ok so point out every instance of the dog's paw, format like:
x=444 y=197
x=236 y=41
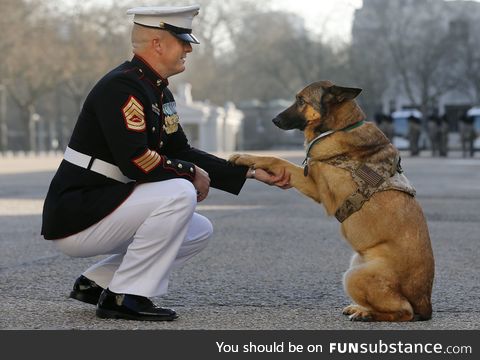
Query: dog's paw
x=365 y=317
x=357 y=313
x=232 y=159
x=350 y=309
x=242 y=159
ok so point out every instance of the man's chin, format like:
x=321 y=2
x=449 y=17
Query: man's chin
x=179 y=70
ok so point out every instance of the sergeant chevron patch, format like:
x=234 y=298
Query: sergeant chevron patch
x=134 y=115
x=148 y=161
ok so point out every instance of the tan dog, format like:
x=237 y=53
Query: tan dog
x=353 y=170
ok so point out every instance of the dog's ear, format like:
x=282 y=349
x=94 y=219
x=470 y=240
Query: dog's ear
x=341 y=93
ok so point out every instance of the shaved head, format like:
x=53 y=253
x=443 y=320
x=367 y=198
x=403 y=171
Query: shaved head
x=142 y=37
x=160 y=49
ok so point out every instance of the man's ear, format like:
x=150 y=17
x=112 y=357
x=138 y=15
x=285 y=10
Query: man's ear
x=157 y=45
x=341 y=93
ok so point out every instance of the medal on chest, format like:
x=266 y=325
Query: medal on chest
x=171 y=119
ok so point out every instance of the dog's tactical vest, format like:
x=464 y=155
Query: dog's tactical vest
x=370 y=179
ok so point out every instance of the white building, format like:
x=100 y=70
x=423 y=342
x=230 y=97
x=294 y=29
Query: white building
x=208 y=127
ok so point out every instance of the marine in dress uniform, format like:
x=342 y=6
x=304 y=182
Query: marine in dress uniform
x=434 y=132
x=125 y=186
x=414 y=129
x=385 y=123
x=467 y=135
x=438 y=132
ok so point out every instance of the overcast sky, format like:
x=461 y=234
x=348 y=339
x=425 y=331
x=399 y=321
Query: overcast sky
x=330 y=18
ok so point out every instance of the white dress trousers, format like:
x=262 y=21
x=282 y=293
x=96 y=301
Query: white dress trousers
x=153 y=231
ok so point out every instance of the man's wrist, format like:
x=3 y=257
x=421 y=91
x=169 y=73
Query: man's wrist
x=251 y=173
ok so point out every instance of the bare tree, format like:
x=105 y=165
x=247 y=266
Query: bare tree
x=210 y=65
x=369 y=62
x=94 y=40
x=420 y=53
x=31 y=69
x=90 y=40
x=11 y=29
x=270 y=56
x=464 y=45
x=407 y=42
x=472 y=67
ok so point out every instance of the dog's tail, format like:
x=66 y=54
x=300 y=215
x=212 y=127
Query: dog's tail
x=422 y=309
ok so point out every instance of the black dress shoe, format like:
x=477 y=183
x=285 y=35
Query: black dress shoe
x=131 y=307
x=86 y=290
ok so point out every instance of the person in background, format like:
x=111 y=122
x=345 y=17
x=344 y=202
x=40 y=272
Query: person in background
x=434 y=132
x=414 y=129
x=444 y=127
x=385 y=123
x=467 y=135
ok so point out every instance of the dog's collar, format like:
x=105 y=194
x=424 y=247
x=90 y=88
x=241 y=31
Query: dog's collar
x=325 y=134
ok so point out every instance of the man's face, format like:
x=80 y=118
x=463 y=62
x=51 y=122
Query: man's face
x=175 y=54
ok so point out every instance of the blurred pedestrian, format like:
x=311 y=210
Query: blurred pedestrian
x=444 y=128
x=438 y=133
x=414 y=130
x=434 y=133
x=385 y=123
x=467 y=135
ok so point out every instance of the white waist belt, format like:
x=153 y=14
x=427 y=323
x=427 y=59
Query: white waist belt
x=97 y=165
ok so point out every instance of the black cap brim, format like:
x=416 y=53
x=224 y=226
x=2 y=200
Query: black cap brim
x=186 y=37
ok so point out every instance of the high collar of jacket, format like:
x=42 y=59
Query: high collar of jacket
x=156 y=79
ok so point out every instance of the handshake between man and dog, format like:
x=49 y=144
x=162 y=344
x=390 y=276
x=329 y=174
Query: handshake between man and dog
x=354 y=171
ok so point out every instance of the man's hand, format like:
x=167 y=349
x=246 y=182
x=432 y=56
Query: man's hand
x=281 y=179
x=201 y=183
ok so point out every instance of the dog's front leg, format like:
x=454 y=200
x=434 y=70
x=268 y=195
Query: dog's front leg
x=268 y=163
x=274 y=165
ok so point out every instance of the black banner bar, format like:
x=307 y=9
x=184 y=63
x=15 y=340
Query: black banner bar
x=240 y=344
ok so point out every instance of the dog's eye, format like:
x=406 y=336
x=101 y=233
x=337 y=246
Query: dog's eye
x=300 y=101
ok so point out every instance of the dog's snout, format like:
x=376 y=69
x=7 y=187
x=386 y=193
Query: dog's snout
x=286 y=123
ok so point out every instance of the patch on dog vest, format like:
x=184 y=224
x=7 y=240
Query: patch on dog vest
x=370 y=178
x=369 y=175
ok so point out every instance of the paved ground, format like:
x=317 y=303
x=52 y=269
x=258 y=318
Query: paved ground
x=266 y=267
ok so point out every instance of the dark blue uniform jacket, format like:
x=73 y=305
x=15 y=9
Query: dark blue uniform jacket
x=129 y=119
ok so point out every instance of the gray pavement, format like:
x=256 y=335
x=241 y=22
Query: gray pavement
x=275 y=260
